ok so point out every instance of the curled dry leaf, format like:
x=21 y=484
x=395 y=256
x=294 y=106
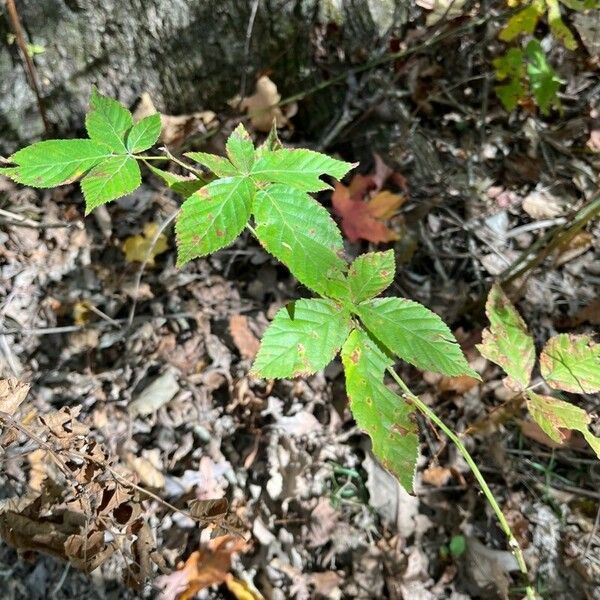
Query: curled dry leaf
x=262 y=106
x=140 y=247
x=12 y=394
x=203 y=568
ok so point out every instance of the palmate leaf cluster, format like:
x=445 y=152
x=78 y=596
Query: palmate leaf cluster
x=267 y=189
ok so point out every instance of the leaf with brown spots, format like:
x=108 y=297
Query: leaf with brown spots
x=370 y=274
x=571 y=363
x=506 y=342
x=304 y=337
x=554 y=416
x=386 y=417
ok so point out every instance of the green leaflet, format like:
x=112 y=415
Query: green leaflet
x=179 y=184
x=386 y=417
x=298 y=168
x=571 y=363
x=109 y=180
x=506 y=342
x=557 y=26
x=370 y=274
x=415 y=334
x=523 y=22
x=510 y=67
x=108 y=122
x=240 y=149
x=213 y=217
x=219 y=165
x=304 y=337
x=144 y=134
x=55 y=162
x=301 y=234
x=553 y=415
x=543 y=79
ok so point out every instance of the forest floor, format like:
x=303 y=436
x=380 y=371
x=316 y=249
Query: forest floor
x=154 y=364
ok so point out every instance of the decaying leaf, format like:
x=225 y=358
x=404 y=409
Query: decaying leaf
x=140 y=247
x=571 y=363
x=364 y=207
x=262 y=106
x=12 y=394
x=554 y=416
x=243 y=337
x=576 y=246
x=506 y=342
x=202 y=569
x=155 y=395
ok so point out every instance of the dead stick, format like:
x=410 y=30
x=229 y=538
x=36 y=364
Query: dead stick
x=17 y=27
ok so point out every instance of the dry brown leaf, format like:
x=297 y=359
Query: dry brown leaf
x=202 y=569
x=262 y=107
x=243 y=337
x=149 y=475
x=542 y=205
x=575 y=247
x=12 y=394
x=437 y=476
x=138 y=247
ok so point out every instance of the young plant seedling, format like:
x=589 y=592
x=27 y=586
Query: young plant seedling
x=267 y=190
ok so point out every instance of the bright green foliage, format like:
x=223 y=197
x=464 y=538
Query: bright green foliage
x=301 y=234
x=557 y=26
x=240 y=149
x=304 y=337
x=213 y=217
x=298 y=168
x=523 y=22
x=144 y=134
x=554 y=415
x=415 y=334
x=108 y=122
x=506 y=342
x=386 y=417
x=55 y=162
x=543 y=79
x=219 y=165
x=571 y=363
x=510 y=68
x=112 y=178
x=370 y=274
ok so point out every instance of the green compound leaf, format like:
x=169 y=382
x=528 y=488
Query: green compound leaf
x=298 y=168
x=144 y=134
x=109 y=180
x=557 y=26
x=240 y=149
x=303 y=338
x=213 y=217
x=55 y=162
x=415 y=334
x=571 y=363
x=386 y=417
x=370 y=274
x=543 y=80
x=219 y=165
x=506 y=342
x=523 y=22
x=271 y=143
x=300 y=232
x=510 y=67
x=108 y=122
x=180 y=185
x=554 y=415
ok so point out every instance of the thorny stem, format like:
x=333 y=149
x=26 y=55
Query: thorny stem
x=512 y=542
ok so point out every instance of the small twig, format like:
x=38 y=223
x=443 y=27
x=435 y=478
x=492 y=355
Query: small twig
x=491 y=499
x=138 y=277
x=535 y=225
x=249 y=30
x=17 y=27
x=17 y=220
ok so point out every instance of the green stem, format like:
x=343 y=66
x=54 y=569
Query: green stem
x=512 y=542
x=172 y=158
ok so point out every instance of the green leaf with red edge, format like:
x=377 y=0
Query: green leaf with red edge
x=554 y=415
x=213 y=217
x=506 y=342
x=415 y=334
x=571 y=363
x=303 y=338
x=370 y=274
x=386 y=417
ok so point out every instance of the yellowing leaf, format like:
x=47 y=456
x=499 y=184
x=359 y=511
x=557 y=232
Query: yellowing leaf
x=81 y=312
x=522 y=22
x=138 y=247
x=554 y=415
x=241 y=590
x=571 y=363
x=506 y=342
